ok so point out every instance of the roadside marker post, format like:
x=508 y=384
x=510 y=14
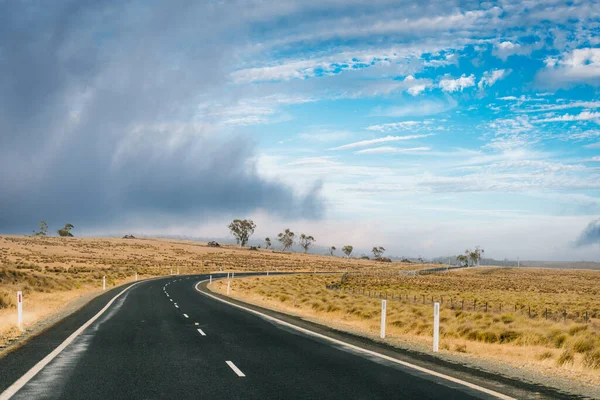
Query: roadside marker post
x=177 y=270
x=20 y=309
x=232 y=275
x=171 y=273
x=228 y=287
x=267 y=272
x=383 y=310
x=210 y=278
x=104 y=282
x=436 y=327
x=228 y=275
x=136 y=277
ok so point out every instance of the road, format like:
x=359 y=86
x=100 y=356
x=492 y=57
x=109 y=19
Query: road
x=162 y=339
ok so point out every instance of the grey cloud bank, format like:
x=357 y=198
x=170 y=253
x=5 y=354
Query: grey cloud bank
x=590 y=235
x=97 y=118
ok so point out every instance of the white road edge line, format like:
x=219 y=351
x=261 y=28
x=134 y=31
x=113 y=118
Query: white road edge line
x=360 y=349
x=22 y=381
x=235 y=369
x=200 y=331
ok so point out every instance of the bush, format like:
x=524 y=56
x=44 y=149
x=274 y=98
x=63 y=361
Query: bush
x=544 y=356
x=566 y=357
x=592 y=359
x=583 y=345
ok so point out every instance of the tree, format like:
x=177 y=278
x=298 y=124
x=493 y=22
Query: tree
x=378 y=251
x=43 y=229
x=267 y=243
x=286 y=239
x=242 y=229
x=332 y=249
x=66 y=231
x=347 y=250
x=306 y=242
x=462 y=259
x=475 y=255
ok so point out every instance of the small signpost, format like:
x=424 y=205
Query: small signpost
x=104 y=282
x=20 y=309
x=383 y=310
x=436 y=327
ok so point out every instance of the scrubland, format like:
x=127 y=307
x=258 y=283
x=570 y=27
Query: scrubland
x=567 y=348
x=53 y=272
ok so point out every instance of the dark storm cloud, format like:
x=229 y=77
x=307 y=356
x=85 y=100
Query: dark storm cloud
x=590 y=235
x=97 y=106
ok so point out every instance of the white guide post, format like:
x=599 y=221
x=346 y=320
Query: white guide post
x=20 y=309
x=171 y=273
x=136 y=277
x=104 y=282
x=232 y=275
x=210 y=279
x=177 y=270
x=228 y=287
x=228 y=275
x=436 y=327
x=383 y=309
x=267 y=272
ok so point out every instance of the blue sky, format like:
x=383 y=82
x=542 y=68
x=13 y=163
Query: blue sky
x=424 y=127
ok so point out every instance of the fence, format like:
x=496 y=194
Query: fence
x=459 y=304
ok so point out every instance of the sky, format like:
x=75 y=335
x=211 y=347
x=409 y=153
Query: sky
x=424 y=127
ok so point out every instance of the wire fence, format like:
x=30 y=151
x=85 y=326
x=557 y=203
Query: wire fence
x=551 y=313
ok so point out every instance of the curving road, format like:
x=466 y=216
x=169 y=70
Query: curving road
x=162 y=339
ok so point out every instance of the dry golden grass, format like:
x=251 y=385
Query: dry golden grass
x=555 y=347
x=52 y=271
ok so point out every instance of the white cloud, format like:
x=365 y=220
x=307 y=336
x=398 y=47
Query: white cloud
x=553 y=107
x=416 y=86
x=324 y=135
x=577 y=66
x=583 y=116
x=453 y=85
x=392 y=150
x=505 y=49
x=419 y=108
x=397 y=126
x=593 y=146
x=364 y=143
x=491 y=77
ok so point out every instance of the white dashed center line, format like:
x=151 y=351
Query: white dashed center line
x=176 y=306
x=235 y=369
x=185 y=315
x=200 y=331
x=195 y=323
x=171 y=299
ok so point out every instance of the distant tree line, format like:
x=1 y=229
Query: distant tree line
x=243 y=229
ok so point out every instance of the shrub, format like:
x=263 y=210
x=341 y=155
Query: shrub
x=544 y=356
x=583 y=345
x=509 y=336
x=566 y=357
x=577 y=328
x=460 y=348
x=592 y=359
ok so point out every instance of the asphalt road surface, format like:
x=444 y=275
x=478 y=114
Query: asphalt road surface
x=162 y=339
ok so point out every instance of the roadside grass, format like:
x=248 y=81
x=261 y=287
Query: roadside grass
x=564 y=348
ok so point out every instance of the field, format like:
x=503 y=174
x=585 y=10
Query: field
x=53 y=272
x=566 y=348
